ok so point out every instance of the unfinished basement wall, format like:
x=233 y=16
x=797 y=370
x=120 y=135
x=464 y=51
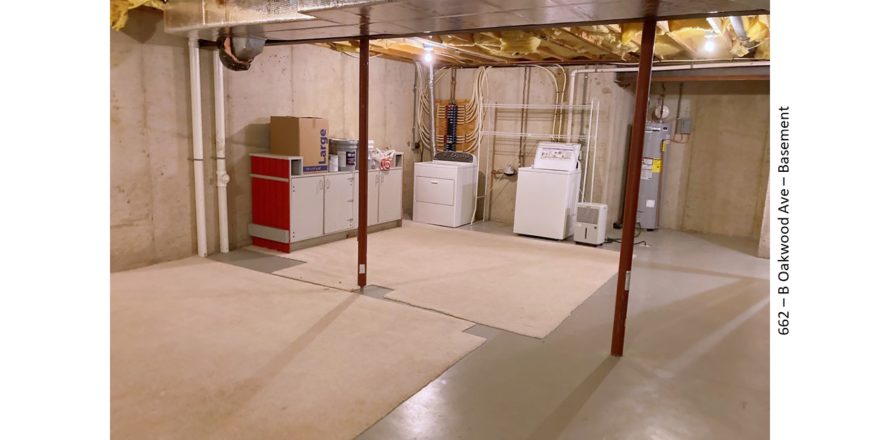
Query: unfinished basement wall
x=716 y=182
x=505 y=86
x=152 y=202
x=151 y=195
x=307 y=80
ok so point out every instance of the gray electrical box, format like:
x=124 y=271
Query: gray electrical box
x=683 y=126
x=657 y=136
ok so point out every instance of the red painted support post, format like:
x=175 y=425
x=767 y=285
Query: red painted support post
x=363 y=152
x=633 y=171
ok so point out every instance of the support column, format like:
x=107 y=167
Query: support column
x=363 y=152
x=633 y=171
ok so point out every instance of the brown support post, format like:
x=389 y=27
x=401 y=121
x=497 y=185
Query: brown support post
x=363 y=152
x=633 y=171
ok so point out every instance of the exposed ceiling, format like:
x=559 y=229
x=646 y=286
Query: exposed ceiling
x=492 y=32
x=292 y=20
x=715 y=39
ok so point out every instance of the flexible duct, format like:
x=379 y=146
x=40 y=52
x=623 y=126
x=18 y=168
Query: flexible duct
x=739 y=28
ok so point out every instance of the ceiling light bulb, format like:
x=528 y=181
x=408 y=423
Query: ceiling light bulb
x=709 y=45
x=428 y=54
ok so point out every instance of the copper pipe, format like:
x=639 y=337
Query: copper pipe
x=631 y=199
x=363 y=152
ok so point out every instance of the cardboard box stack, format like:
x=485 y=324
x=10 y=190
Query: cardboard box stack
x=301 y=136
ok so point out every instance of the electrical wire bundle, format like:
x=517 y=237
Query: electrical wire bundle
x=451 y=126
x=471 y=112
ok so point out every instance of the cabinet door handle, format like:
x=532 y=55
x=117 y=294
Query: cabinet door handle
x=434 y=182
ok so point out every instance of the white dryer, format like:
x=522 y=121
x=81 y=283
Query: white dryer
x=443 y=192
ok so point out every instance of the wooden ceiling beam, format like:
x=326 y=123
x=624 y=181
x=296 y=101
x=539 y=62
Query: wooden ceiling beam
x=411 y=56
x=474 y=53
x=691 y=53
x=580 y=36
x=551 y=44
x=638 y=44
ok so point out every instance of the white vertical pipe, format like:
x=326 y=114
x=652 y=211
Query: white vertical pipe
x=220 y=145
x=572 y=81
x=572 y=84
x=433 y=109
x=586 y=155
x=595 y=151
x=195 y=85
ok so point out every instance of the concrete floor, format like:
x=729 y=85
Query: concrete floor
x=696 y=362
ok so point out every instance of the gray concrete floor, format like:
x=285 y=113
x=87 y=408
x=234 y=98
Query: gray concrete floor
x=696 y=362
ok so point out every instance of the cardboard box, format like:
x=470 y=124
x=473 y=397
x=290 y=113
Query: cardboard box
x=301 y=136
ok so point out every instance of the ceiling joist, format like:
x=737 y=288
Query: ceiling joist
x=687 y=40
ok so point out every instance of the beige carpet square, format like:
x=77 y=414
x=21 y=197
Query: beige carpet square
x=520 y=284
x=202 y=349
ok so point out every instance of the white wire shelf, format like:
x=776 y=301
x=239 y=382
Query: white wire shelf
x=517 y=135
x=538 y=106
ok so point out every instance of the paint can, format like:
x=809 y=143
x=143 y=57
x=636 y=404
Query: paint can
x=346 y=153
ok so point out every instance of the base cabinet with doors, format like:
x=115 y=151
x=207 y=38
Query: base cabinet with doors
x=291 y=207
x=384 y=196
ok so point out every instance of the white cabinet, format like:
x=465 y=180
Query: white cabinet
x=390 y=195
x=339 y=212
x=384 y=196
x=307 y=207
x=372 y=198
x=290 y=207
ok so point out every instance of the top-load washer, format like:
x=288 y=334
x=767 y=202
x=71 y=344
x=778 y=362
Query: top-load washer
x=547 y=192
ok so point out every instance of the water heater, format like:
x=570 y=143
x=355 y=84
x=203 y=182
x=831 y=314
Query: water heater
x=590 y=223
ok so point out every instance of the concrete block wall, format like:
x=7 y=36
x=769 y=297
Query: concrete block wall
x=152 y=202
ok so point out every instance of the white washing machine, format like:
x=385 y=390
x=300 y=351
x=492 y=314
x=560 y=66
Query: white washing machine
x=443 y=191
x=546 y=196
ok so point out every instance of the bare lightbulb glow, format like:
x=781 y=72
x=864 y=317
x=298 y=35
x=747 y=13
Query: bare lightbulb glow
x=427 y=54
x=709 y=45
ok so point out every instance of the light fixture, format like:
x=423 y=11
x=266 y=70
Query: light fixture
x=709 y=45
x=428 y=54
